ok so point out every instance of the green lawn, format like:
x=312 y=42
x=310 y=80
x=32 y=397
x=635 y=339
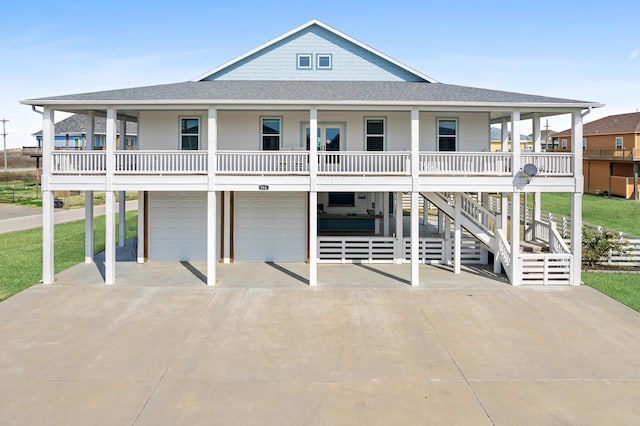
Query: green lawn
x=625 y=288
x=613 y=213
x=21 y=252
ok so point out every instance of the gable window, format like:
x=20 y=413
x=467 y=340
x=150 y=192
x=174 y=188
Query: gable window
x=374 y=134
x=447 y=134
x=584 y=144
x=564 y=144
x=189 y=133
x=619 y=142
x=303 y=61
x=323 y=62
x=270 y=134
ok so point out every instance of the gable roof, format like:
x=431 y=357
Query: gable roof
x=300 y=29
x=77 y=124
x=612 y=124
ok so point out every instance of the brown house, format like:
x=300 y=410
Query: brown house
x=611 y=154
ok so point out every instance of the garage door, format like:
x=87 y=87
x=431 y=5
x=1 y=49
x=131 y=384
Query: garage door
x=270 y=226
x=178 y=226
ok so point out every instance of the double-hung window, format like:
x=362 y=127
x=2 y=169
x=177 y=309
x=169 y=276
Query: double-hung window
x=374 y=134
x=619 y=142
x=271 y=132
x=447 y=134
x=584 y=144
x=564 y=144
x=189 y=133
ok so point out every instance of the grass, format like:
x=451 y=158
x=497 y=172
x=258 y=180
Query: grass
x=623 y=287
x=26 y=193
x=21 y=252
x=614 y=213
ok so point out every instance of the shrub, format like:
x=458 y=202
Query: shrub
x=599 y=245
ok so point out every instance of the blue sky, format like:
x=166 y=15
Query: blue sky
x=583 y=50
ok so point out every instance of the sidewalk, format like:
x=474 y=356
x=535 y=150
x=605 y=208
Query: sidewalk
x=32 y=217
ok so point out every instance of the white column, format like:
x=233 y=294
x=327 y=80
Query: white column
x=385 y=213
x=88 y=226
x=446 y=255
x=515 y=239
x=110 y=207
x=313 y=150
x=141 y=236
x=91 y=138
x=48 y=137
x=313 y=238
x=212 y=145
x=503 y=220
x=484 y=201
x=212 y=236
x=576 y=198
x=504 y=135
x=399 y=228
x=415 y=239
x=122 y=197
x=226 y=256
x=515 y=141
x=537 y=147
x=457 y=234
x=440 y=222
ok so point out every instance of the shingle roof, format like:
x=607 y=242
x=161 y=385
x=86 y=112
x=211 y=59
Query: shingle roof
x=496 y=135
x=621 y=123
x=202 y=92
x=78 y=124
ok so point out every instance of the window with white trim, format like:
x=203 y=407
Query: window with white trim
x=564 y=144
x=324 y=61
x=270 y=133
x=303 y=61
x=447 y=134
x=619 y=142
x=190 y=133
x=374 y=134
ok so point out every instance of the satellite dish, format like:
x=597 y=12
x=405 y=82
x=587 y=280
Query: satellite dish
x=530 y=170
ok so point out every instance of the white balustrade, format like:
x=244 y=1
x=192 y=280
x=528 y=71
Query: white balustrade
x=161 y=162
x=481 y=215
x=262 y=162
x=465 y=163
x=504 y=251
x=550 y=163
x=78 y=162
x=362 y=162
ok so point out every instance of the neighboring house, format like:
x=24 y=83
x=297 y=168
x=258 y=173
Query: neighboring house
x=497 y=143
x=71 y=133
x=300 y=151
x=611 y=153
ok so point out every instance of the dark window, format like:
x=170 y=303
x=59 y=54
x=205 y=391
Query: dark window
x=375 y=134
x=271 y=134
x=189 y=133
x=342 y=199
x=447 y=135
x=304 y=61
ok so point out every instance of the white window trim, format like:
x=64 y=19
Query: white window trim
x=180 y=134
x=621 y=139
x=457 y=135
x=564 y=144
x=301 y=55
x=322 y=55
x=384 y=131
x=270 y=117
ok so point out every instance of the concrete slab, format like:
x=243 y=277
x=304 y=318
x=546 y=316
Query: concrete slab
x=164 y=352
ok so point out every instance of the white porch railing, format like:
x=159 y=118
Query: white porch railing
x=465 y=163
x=550 y=163
x=546 y=269
x=78 y=162
x=262 y=162
x=482 y=216
x=358 y=163
x=161 y=162
x=365 y=249
x=504 y=251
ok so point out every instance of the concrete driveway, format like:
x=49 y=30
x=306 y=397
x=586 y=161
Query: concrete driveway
x=294 y=355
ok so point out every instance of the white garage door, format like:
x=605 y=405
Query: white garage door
x=270 y=226
x=177 y=226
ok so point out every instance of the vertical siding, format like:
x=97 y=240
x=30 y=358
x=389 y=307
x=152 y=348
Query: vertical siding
x=349 y=61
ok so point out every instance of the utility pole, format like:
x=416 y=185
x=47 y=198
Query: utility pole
x=4 y=138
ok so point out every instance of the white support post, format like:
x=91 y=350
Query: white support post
x=226 y=250
x=440 y=222
x=399 y=228
x=88 y=226
x=313 y=149
x=141 y=235
x=515 y=239
x=385 y=214
x=212 y=237
x=48 y=137
x=91 y=138
x=576 y=198
x=484 y=201
x=457 y=234
x=212 y=145
x=110 y=207
x=313 y=238
x=415 y=240
x=446 y=255
x=503 y=219
x=504 y=135
x=537 y=147
x=122 y=197
x=515 y=141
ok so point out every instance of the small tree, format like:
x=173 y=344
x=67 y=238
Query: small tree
x=599 y=245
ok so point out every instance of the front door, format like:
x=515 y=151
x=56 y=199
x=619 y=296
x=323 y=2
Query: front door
x=329 y=137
